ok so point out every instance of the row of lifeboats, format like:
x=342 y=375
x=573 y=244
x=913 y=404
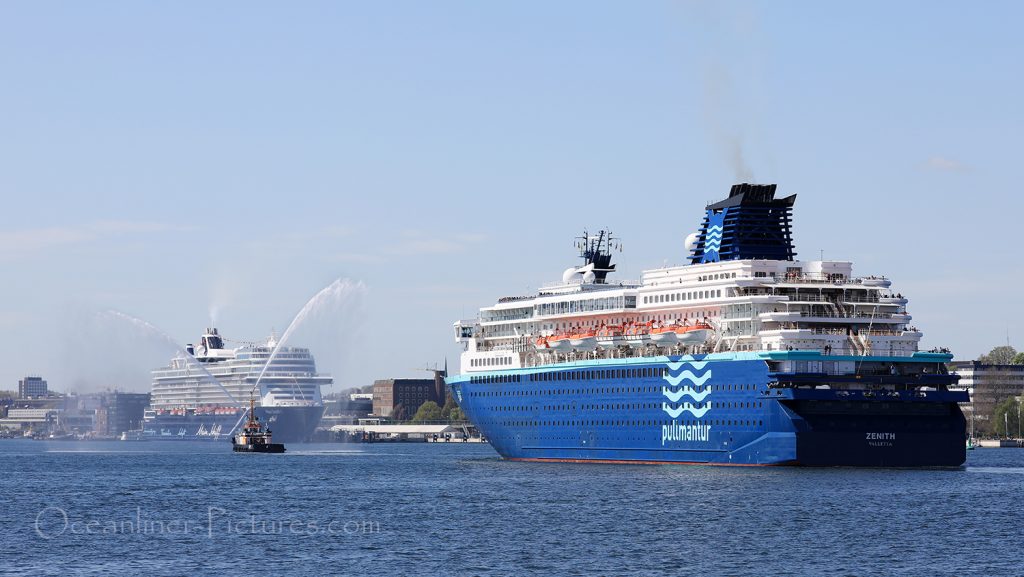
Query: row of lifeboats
x=634 y=335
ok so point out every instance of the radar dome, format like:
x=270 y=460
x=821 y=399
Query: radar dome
x=589 y=276
x=691 y=241
x=568 y=274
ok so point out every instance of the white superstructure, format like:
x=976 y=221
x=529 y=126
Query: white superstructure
x=214 y=376
x=747 y=305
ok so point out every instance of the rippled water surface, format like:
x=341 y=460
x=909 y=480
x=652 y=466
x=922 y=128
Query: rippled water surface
x=412 y=509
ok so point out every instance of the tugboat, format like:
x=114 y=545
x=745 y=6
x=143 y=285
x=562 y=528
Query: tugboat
x=254 y=438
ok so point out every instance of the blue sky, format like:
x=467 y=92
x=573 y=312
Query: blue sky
x=169 y=159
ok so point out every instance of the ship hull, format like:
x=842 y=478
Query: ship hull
x=705 y=411
x=289 y=424
x=267 y=448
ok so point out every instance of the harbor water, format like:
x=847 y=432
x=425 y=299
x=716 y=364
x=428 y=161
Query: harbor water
x=120 y=508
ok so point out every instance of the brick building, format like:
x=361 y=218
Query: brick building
x=399 y=399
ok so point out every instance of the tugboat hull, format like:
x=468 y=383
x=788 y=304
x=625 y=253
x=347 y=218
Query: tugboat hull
x=263 y=448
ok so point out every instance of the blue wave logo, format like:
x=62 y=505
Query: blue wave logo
x=684 y=408
x=686 y=378
x=713 y=239
x=714 y=234
x=675 y=396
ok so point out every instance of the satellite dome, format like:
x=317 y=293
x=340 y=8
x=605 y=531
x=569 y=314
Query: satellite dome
x=589 y=276
x=568 y=274
x=691 y=241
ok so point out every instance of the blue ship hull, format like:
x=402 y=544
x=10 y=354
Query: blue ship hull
x=722 y=409
x=288 y=424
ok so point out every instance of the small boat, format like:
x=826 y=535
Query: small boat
x=684 y=334
x=583 y=340
x=541 y=344
x=637 y=335
x=695 y=334
x=559 y=343
x=254 y=438
x=611 y=336
x=664 y=335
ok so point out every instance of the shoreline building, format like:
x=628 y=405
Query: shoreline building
x=32 y=387
x=399 y=399
x=988 y=385
x=122 y=412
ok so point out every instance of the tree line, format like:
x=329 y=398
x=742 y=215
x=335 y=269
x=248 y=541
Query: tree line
x=1003 y=355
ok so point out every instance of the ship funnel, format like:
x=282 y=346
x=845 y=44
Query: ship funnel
x=212 y=340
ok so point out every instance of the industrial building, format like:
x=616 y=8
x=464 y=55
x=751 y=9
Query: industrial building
x=988 y=386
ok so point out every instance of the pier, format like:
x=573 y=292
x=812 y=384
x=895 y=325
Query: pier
x=406 y=433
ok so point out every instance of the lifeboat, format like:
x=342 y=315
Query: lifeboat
x=559 y=343
x=694 y=334
x=684 y=334
x=637 y=335
x=664 y=335
x=541 y=344
x=611 y=336
x=583 y=340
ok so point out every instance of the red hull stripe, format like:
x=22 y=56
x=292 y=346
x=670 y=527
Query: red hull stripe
x=614 y=462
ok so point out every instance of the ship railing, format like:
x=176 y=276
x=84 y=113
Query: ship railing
x=811 y=278
x=551 y=357
x=832 y=315
x=580 y=283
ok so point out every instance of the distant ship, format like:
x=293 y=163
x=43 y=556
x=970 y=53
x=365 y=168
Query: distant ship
x=743 y=356
x=203 y=393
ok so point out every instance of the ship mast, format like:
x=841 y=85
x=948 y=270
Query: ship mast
x=596 y=252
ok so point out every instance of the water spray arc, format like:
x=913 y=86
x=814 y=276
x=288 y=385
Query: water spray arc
x=334 y=292
x=341 y=290
x=189 y=359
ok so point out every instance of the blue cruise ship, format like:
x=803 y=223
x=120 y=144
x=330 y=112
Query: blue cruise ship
x=743 y=356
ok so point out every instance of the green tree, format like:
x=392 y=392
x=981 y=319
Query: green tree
x=399 y=413
x=456 y=415
x=449 y=406
x=1003 y=355
x=1018 y=360
x=1004 y=418
x=428 y=411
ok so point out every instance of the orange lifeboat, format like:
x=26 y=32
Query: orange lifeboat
x=637 y=335
x=541 y=344
x=664 y=335
x=694 y=334
x=611 y=336
x=584 y=340
x=559 y=342
x=681 y=333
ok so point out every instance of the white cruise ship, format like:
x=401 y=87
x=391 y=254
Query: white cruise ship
x=203 y=393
